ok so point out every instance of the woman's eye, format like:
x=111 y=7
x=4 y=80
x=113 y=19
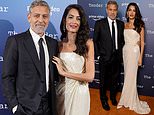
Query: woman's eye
x=78 y=18
x=70 y=17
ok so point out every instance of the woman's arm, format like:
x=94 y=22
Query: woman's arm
x=88 y=75
x=142 y=46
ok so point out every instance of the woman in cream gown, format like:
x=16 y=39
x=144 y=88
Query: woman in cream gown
x=74 y=93
x=75 y=63
x=132 y=57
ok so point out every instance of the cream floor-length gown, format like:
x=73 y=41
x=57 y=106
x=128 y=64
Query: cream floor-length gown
x=129 y=97
x=73 y=96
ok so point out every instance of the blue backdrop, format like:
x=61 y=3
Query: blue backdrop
x=96 y=10
x=13 y=20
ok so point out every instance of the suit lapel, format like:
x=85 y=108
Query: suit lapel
x=118 y=31
x=108 y=28
x=51 y=53
x=29 y=45
x=49 y=47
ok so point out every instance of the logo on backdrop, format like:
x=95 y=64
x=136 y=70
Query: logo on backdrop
x=140 y=86
x=148 y=55
x=151 y=5
x=4 y=9
x=54 y=36
x=145 y=19
x=95 y=10
x=96 y=5
x=147 y=77
x=10 y=33
x=1 y=58
x=150 y=32
x=125 y=4
x=3 y=106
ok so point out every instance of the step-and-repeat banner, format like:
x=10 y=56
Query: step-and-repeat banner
x=13 y=20
x=96 y=9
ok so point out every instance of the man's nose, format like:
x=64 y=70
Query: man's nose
x=40 y=19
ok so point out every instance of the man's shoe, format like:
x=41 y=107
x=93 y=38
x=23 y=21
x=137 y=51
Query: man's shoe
x=114 y=101
x=105 y=105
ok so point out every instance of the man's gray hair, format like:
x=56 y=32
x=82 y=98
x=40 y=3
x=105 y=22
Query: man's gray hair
x=112 y=2
x=38 y=3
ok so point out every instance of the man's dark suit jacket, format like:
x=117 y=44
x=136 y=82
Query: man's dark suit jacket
x=103 y=41
x=22 y=74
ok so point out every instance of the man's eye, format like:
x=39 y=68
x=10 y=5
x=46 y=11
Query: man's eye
x=45 y=16
x=36 y=16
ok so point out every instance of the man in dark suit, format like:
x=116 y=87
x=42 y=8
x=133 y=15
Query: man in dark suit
x=28 y=74
x=109 y=40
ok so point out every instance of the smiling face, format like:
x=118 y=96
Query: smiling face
x=131 y=12
x=73 y=21
x=39 y=19
x=112 y=11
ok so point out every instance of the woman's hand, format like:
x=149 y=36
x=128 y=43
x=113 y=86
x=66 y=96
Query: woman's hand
x=59 y=64
x=140 y=61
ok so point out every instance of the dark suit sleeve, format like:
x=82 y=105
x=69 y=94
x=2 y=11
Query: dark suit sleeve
x=123 y=42
x=96 y=38
x=56 y=78
x=9 y=72
x=122 y=39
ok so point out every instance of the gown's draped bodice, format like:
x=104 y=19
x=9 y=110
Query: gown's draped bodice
x=73 y=94
x=131 y=52
x=72 y=61
x=131 y=37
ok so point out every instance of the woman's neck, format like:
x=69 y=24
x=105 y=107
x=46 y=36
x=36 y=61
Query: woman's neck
x=131 y=21
x=130 y=24
x=71 y=37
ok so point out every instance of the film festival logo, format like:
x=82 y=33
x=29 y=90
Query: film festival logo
x=53 y=9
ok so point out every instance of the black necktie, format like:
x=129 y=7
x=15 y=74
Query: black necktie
x=42 y=61
x=113 y=35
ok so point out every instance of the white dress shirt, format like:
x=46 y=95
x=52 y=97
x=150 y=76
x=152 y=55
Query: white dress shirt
x=116 y=31
x=36 y=38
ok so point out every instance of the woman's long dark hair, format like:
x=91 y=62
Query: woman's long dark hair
x=83 y=32
x=138 y=22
